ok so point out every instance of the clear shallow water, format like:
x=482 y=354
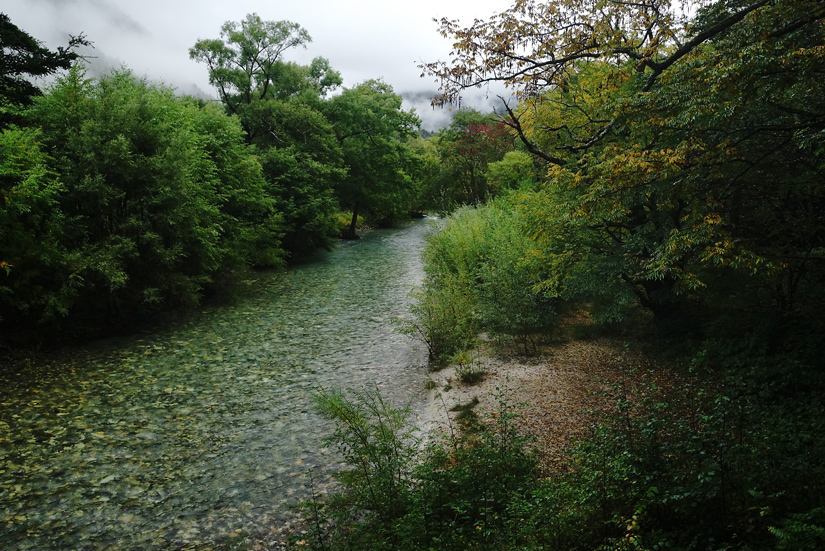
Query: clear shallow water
x=184 y=435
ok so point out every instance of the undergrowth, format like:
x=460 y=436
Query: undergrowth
x=733 y=459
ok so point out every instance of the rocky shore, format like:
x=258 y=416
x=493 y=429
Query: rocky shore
x=556 y=392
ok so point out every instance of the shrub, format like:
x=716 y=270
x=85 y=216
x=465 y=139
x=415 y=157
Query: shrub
x=442 y=318
x=454 y=493
x=377 y=442
x=467 y=371
x=480 y=277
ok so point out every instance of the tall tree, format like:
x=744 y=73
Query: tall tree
x=21 y=57
x=243 y=63
x=24 y=183
x=302 y=163
x=466 y=147
x=280 y=105
x=371 y=128
x=31 y=229
x=160 y=195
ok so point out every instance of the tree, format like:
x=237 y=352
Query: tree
x=472 y=141
x=427 y=174
x=515 y=169
x=22 y=56
x=302 y=163
x=160 y=195
x=280 y=105
x=672 y=140
x=371 y=128
x=534 y=47
x=243 y=63
x=31 y=227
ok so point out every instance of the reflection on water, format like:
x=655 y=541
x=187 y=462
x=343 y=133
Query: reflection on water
x=205 y=427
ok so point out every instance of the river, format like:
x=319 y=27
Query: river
x=203 y=428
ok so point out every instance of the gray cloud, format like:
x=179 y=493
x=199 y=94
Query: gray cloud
x=363 y=39
x=97 y=62
x=118 y=18
x=113 y=15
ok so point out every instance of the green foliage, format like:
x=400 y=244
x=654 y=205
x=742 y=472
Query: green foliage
x=670 y=167
x=480 y=277
x=372 y=130
x=315 y=151
x=692 y=469
x=30 y=231
x=426 y=173
x=453 y=494
x=377 y=443
x=252 y=227
x=571 y=252
x=301 y=183
x=344 y=219
x=442 y=318
x=802 y=532
x=22 y=57
x=131 y=199
x=280 y=106
x=320 y=155
x=682 y=172
x=515 y=170
x=466 y=369
x=157 y=196
x=465 y=151
x=245 y=61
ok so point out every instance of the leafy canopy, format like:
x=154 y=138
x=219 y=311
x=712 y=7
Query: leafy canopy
x=674 y=147
x=243 y=63
x=372 y=130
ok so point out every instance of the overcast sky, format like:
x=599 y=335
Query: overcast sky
x=363 y=39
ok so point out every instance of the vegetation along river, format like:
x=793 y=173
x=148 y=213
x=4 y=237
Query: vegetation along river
x=204 y=427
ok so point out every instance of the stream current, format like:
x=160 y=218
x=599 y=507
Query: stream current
x=204 y=428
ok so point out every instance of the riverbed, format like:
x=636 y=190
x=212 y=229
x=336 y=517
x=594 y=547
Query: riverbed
x=203 y=427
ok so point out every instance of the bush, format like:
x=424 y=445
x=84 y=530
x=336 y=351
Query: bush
x=452 y=494
x=467 y=371
x=132 y=200
x=692 y=469
x=377 y=442
x=480 y=277
x=442 y=318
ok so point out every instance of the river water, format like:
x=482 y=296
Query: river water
x=204 y=428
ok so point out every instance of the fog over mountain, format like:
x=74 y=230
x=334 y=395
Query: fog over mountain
x=363 y=39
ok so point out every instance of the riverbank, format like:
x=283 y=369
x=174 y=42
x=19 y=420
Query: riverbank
x=558 y=391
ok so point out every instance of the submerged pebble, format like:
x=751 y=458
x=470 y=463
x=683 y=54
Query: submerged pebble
x=208 y=419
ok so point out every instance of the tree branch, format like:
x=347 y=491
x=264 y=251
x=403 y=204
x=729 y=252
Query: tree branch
x=659 y=68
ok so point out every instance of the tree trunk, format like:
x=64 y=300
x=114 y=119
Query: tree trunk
x=657 y=296
x=350 y=233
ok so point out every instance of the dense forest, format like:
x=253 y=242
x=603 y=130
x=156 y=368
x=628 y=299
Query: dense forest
x=659 y=167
